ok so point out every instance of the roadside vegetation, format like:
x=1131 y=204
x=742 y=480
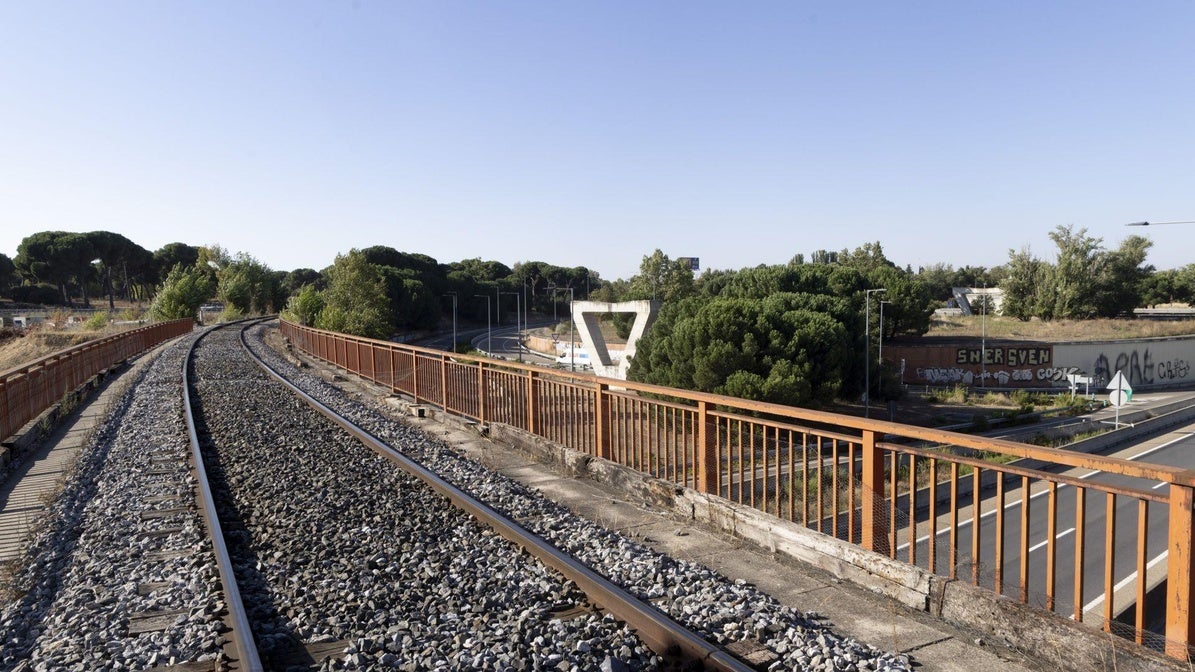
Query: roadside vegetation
x=790 y=333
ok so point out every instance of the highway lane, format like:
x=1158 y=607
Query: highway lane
x=504 y=343
x=1175 y=450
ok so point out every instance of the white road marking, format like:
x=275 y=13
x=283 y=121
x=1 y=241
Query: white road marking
x=1017 y=502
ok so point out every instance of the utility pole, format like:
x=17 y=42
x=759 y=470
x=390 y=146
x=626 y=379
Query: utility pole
x=867 y=350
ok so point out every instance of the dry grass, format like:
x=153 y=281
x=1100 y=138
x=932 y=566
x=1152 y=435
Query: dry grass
x=36 y=343
x=1058 y=330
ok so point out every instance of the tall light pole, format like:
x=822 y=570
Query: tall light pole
x=518 y=332
x=867 y=349
x=453 y=294
x=489 y=346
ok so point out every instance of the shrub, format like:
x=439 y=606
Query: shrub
x=96 y=322
x=36 y=294
x=230 y=314
x=131 y=314
x=181 y=294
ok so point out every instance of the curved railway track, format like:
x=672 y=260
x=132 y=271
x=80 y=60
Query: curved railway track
x=674 y=644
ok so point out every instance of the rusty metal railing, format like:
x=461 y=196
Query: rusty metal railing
x=27 y=390
x=946 y=502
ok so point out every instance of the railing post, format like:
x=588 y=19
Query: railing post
x=415 y=376
x=602 y=441
x=532 y=404
x=1180 y=597
x=4 y=410
x=872 y=519
x=444 y=382
x=709 y=470
x=481 y=395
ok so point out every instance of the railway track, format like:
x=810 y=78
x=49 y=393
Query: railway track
x=353 y=542
x=670 y=644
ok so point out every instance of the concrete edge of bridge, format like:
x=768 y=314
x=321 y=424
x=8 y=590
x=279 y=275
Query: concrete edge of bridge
x=1048 y=637
x=40 y=429
x=1053 y=641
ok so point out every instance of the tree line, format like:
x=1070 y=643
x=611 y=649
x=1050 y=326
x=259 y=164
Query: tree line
x=792 y=333
x=377 y=291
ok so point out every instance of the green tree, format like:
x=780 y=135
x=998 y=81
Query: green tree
x=246 y=285
x=480 y=271
x=115 y=252
x=1174 y=285
x=8 y=274
x=662 y=279
x=784 y=349
x=59 y=258
x=299 y=278
x=305 y=306
x=1121 y=278
x=185 y=289
x=1072 y=277
x=1087 y=281
x=355 y=300
x=174 y=254
x=1026 y=276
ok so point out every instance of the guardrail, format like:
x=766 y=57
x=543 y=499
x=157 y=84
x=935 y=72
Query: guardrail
x=891 y=488
x=29 y=389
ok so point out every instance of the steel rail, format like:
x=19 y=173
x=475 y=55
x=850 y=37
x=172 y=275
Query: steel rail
x=242 y=633
x=660 y=632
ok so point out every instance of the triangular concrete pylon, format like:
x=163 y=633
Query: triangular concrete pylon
x=586 y=315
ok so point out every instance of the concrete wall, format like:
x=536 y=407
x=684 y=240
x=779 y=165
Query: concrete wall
x=1151 y=363
x=1147 y=363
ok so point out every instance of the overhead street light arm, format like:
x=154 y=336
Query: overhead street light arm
x=1157 y=223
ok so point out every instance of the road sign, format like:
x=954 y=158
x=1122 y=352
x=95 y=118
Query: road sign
x=1119 y=382
x=1122 y=393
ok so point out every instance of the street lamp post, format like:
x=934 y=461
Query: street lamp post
x=518 y=331
x=489 y=345
x=867 y=349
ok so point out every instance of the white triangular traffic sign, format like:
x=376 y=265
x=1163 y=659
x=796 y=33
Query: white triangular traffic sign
x=1119 y=382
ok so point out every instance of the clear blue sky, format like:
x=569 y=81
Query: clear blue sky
x=591 y=133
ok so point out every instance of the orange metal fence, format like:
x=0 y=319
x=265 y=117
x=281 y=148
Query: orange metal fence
x=1044 y=534
x=28 y=390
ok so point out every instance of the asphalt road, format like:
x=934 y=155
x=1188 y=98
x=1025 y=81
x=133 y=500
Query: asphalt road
x=1175 y=449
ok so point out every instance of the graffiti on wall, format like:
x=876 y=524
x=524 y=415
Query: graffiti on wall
x=1005 y=356
x=1154 y=362
x=945 y=375
x=1020 y=365
x=1140 y=368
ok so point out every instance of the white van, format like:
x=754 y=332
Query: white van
x=566 y=357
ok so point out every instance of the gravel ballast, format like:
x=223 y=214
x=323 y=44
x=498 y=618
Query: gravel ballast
x=120 y=574
x=345 y=561
x=724 y=611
